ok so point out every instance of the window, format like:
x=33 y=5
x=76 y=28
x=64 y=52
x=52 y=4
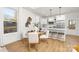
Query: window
x=71 y=24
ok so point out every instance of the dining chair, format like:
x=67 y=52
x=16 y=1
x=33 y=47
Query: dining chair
x=45 y=36
x=33 y=39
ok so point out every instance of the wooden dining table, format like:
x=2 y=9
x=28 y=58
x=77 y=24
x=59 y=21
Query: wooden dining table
x=39 y=33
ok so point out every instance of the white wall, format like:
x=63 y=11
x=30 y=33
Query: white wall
x=43 y=20
x=1 y=26
x=22 y=15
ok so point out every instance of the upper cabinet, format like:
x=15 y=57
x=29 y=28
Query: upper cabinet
x=60 y=17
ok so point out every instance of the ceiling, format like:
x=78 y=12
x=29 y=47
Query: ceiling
x=45 y=11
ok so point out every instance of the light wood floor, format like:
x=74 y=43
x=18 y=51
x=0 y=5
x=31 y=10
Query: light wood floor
x=73 y=42
x=52 y=46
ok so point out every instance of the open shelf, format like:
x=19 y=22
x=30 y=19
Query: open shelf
x=57 y=30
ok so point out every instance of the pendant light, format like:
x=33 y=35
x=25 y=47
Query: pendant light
x=50 y=12
x=60 y=11
x=51 y=15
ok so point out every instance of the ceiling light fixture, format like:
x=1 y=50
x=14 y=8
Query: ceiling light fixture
x=50 y=12
x=60 y=11
x=51 y=15
x=58 y=14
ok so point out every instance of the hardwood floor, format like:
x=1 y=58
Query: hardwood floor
x=72 y=40
x=52 y=46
